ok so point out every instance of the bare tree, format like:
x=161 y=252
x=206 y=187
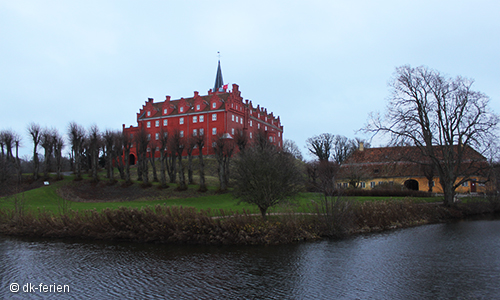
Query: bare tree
x=444 y=118
x=152 y=158
x=291 y=147
x=47 y=143
x=223 y=147
x=265 y=176
x=241 y=140
x=142 y=139
x=76 y=135
x=321 y=145
x=177 y=144
x=35 y=132
x=58 y=143
x=118 y=149
x=200 y=143
x=190 y=143
x=95 y=144
x=163 y=142
x=109 y=139
x=127 y=144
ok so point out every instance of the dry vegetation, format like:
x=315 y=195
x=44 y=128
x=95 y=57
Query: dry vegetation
x=162 y=224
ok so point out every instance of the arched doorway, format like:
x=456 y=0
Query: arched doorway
x=131 y=160
x=411 y=184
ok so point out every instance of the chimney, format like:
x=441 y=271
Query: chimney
x=361 y=146
x=150 y=100
x=167 y=98
x=196 y=93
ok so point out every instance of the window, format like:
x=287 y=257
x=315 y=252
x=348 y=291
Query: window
x=181 y=121
x=214 y=131
x=250 y=135
x=195 y=119
x=339 y=185
x=265 y=128
x=201 y=131
x=372 y=184
x=232 y=131
x=251 y=123
x=346 y=185
x=157 y=123
x=148 y=124
x=432 y=183
x=232 y=117
x=181 y=109
x=362 y=184
x=149 y=113
x=197 y=107
x=165 y=122
x=236 y=119
x=380 y=183
x=465 y=183
x=266 y=119
x=149 y=137
x=258 y=115
x=201 y=118
x=195 y=132
x=214 y=117
x=157 y=136
x=258 y=125
x=213 y=105
x=149 y=149
x=165 y=111
x=157 y=148
x=241 y=121
x=182 y=133
x=279 y=134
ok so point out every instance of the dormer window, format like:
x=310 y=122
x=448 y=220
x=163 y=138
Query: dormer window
x=181 y=109
x=213 y=105
x=258 y=115
x=266 y=119
x=149 y=113
x=198 y=107
x=165 y=111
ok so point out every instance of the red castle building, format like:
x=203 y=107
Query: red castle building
x=222 y=112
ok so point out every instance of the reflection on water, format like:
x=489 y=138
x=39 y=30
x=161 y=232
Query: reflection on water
x=443 y=261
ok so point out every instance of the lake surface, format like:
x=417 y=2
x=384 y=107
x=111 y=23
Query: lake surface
x=443 y=261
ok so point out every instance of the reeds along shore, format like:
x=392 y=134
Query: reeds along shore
x=162 y=224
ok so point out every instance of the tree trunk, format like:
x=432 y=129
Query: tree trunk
x=182 y=179
x=203 y=187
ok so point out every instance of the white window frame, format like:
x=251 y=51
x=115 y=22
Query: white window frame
x=181 y=121
x=164 y=111
x=157 y=123
x=195 y=132
x=213 y=104
x=197 y=107
x=214 y=117
x=181 y=109
x=148 y=124
x=148 y=113
x=201 y=131
x=195 y=119
x=165 y=122
x=202 y=118
x=157 y=136
x=181 y=133
x=214 y=131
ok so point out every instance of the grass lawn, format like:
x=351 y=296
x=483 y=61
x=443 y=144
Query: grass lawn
x=47 y=198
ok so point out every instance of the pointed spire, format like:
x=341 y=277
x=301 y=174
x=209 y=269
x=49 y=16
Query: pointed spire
x=218 y=79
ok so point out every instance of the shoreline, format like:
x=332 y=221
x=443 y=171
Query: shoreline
x=179 y=225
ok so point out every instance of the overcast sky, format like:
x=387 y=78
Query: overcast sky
x=322 y=66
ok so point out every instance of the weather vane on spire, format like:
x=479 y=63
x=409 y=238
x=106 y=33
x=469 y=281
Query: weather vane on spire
x=218 y=54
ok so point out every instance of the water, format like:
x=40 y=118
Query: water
x=443 y=261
